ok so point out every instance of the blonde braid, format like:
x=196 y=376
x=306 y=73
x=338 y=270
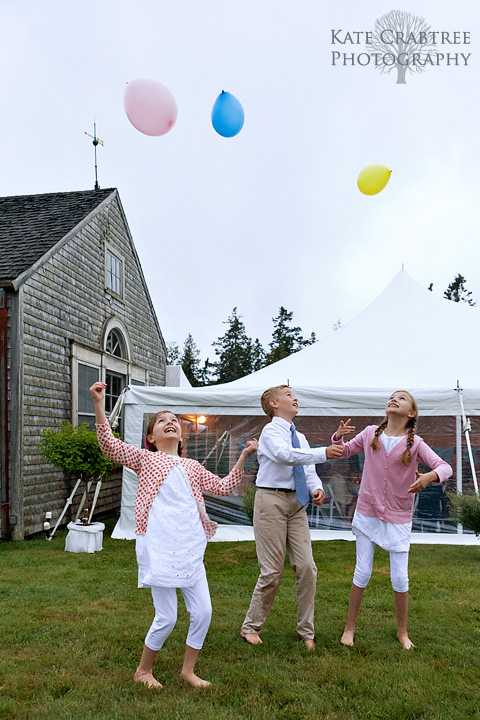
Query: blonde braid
x=374 y=444
x=407 y=455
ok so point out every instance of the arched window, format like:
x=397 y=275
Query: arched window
x=115 y=344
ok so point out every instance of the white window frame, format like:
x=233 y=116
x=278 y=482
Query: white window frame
x=103 y=361
x=113 y=252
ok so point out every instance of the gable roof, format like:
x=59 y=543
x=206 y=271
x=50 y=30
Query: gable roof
x=32 y=224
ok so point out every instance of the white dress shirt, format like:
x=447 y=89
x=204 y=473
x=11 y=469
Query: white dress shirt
x=276 y=456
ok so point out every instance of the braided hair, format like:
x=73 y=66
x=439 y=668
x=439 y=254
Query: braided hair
x=375 y=444
x=411 y=426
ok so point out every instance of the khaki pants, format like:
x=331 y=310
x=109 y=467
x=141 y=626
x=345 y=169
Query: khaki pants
x=280 y=524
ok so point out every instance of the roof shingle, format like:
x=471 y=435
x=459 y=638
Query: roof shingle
x=32 y=224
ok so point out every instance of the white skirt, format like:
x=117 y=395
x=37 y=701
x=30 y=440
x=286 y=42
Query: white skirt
x=393 y=537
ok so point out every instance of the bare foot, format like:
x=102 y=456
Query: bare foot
x=252 y=638
x=347 y=637
x=146 y=678
x=405 y=641
x=309 y=643
x=194 y=680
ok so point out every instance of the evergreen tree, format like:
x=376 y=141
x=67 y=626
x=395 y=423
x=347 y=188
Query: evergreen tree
x=259 y=356
x=286 y=340
x=205 y=375
x=457 y=291
x=173 y=353
x=190 y=361
x=234 y=350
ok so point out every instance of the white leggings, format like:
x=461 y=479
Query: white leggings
x=198 y=604
x=363 y=568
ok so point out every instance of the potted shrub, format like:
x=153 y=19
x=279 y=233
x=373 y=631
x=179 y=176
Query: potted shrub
x=75 y=450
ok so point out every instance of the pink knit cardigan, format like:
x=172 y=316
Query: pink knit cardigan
x=153 y=467
x=385 y=479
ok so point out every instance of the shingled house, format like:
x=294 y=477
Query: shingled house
x=74 y=308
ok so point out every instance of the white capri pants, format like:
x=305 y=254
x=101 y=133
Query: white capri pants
x=199 y=607
x=364 y=565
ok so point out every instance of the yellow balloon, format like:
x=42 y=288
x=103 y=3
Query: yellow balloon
x=373 y=178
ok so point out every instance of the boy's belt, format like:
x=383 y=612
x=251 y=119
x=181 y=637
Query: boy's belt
x=277 y=489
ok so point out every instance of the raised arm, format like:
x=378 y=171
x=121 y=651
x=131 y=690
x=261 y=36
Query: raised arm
x=356 y=445
x=97 y=391
x=343 y=429
x=112 y=447
x=274 y=446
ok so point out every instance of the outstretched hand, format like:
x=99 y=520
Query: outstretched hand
x=252 y=446
x=344 y=429
x=334 y=451
x=97 y=392
x=422 y=481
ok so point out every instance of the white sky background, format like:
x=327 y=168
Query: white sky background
x=273 y=216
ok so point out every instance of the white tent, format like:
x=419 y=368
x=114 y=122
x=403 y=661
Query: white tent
x=407 y=338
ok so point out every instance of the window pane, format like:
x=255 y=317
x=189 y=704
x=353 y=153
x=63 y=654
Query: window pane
x=86 y=377
x=114 y=273
x=115 y=384
x=115 y=344
x=90 y=419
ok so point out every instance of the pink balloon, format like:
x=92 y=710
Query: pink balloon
x=150 y=106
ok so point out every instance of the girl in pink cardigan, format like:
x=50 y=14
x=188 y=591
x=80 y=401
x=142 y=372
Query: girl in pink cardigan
x=384 y=510
x=172 y=528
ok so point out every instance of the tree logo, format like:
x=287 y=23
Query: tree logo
x=400 y=42
x=405 y=41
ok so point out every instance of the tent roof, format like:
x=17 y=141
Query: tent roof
x=315 y=401
x=407 y=338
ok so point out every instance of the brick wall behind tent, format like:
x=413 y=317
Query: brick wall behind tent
x=435 y=430
x=65 y=301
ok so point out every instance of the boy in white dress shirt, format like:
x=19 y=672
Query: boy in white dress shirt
x=279 y=520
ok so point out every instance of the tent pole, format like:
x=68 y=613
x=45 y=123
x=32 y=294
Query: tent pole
x=114 y=417
x=459 y=461
x=223 y=438
x=467 y=426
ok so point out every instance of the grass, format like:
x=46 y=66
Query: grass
x=72 y=628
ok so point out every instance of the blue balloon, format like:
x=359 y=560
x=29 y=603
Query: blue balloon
x=227 y=115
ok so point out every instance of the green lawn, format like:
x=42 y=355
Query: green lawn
x=72 y=629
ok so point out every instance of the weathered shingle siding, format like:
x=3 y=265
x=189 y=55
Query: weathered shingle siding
x=65 y=301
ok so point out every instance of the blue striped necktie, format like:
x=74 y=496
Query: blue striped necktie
x=300 y=480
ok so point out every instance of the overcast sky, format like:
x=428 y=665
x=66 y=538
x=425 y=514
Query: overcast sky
x=272 y=216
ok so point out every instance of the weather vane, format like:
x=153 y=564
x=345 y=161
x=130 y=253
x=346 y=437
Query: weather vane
x=95 y=142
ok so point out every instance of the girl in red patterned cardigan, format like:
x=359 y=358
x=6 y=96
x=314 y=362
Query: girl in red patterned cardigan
x=172 y=528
